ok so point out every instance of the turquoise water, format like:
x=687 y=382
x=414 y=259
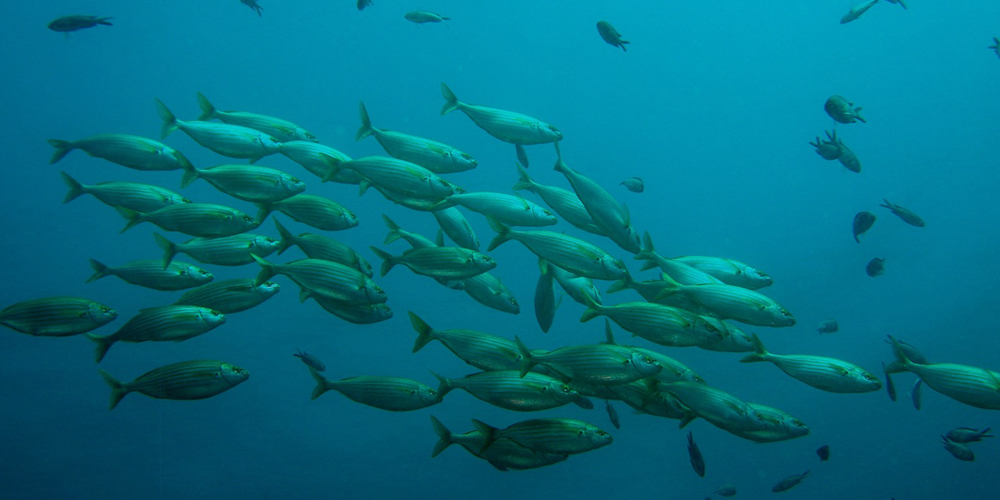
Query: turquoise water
x=713 y=106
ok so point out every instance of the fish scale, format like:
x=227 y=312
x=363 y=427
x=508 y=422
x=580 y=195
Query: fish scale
x=971 y=385
x=315 y=211
x=129 y=151
x=595 y=363
x=326 y=278
x=187 y=380
x=387 y=393
x=248 y=182
x=229 y=296
x=507 y=389
x=398 y=175
x=196 y=219
x=508 y=209
x=571 y=254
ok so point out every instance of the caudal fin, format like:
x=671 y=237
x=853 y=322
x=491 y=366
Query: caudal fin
x=593 y=309
x=623 y=42
x=528 y=360
x=322 y=384
x=75 y=188
x=759 y=354
x=366 y=123
x=103 y=344
x=451 y=101
x=388 y=261
x=524 y=181
x=100 y=271
x=191 y=174
x=62 y=149
x=287 y=239
x=169 y=248
x=445 y=437
x=393 y=231
x=208 y=111
x=425 y=333
x=104 y=21
x=118 y=389
x=266 y=270
x=503 y=233
x=904 y=362
x=488 y=432
x=444 y=385
x=169 y=120
x=857 y=115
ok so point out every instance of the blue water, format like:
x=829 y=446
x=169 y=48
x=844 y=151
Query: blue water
x=713 y=106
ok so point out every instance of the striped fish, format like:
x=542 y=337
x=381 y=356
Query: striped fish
x=485 y=351
x=317 y=246
x=130 y=151
x=326 y=278
x=508 y=390
x=643 y=396
x=579 y=288
x=596 y=364
x=314 y=211
x=247 y=182
x=161 y=324
x=733 y=338
x=545 y=297
x=657 y=323
x=230 y=296
x=778 y=426
x=455 y=225
x=396 y=175
x=417 y=203
x=729 y=271
x=131 y=195
x=450 y=263
x=233 y=250
x=56 y=316
x=733 y=302
x=504 y=208
x=548 y=435
x=153 y=274
x=503 y=454
x=282 y=130
x=571 y=254
x=826 y=374
x=233 y=141
x=565 y=203
x=679 y=271
x=971 y=385
x=187 y=380
x=490 y=292
x=719 y=408
x=673 y=370
x=315 y=158
x=651 y=290
x=359 y=314
x=432 y=155
x=385 y=393
x=395 y=232
x=195 y=219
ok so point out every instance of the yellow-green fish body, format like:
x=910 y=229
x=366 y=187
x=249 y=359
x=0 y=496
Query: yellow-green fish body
x=194 y=219
x=733 y=302
x=161 y=324
x=778 y=426
x=234 y=141
x=230 y=296
x=571 y=254
x=315 y=158
x=359 y=314
x=971 y=385
x=503 y=454
x=565 y=203
x=823 y=373
x=397 y=175
x=432 y=155
x=548 y=435
x=236 y=250
x=187 y=380
x=317 y=246
x=131 y=195
x=315 y=211
x=248 y=182
x=56 y=316
x=504 y=208
x=508 y=390
x=595 y=364
x=450 y=263
x=679 y=271
x=330 y=279
x=282 y=130
x=485 y=351
x=153 y=274
x=719 y=408
x=130 y=151
x=729 y=271
x=385 y=393
x=657 y=323
x=507 y=126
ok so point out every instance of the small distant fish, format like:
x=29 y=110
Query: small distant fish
x=824 y=453
x=842 y=110
x=364 y=3
x=726 y=490
x=996 y=46
x=66 y=24
x=830 y=149
x=958 y=450
x=697 y=461
x=827 y=326
x=789 y=482
x=613 y=415
x=900 y=2
x=421 y=17
x=856 y=11
x=253 y=5
x=634 y=184
x=904 y=213
x=915 y=394
x=863 y=221
x=890 y=387
x=611 y=35
x=875 y=267
x=310 y=360
x=968 y=435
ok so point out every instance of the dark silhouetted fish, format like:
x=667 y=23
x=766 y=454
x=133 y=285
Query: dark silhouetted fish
x=613 y=415
x=697 y=461
x=634 y=184
x=253 y=5
x=968 y=435
x=875 y=267
x=824 y=453
x=863 y=221
x=789 y=482
x=611 y=35
x=364 y=3
x=915 y=394
x=66 y=24
x=827 y=326
x=908 y=216
x=842 y=110
x=890 y=387
x=958 y=450
x=310 y=360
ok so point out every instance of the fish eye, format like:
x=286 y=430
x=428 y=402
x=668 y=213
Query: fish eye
x=247 y=218
x=648 y=359
x=271 y=240
x=205 y=273
x=512 y=301
x=182 y=272
x=295 y=181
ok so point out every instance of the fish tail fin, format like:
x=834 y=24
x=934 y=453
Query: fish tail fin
x=169 y=248
x=169 y=120
x=646 y=250
x=609 y=336
x=191 y=174
x=100 y=271
x=524 y=181
x=451 y=100
x=619 y=285
x=893 y=367
x=522 y=155
x=857 y=114
x=445 y=437
x=286 y=237
x=103 y=344
x=425 y=333
x=322 y=384
x=560 y=166
x=208 y=111
x=528 y=361
x=488 y=432
x=672 y=287
x=593 y=310
x=439 y=239
x=366 y=123
x=688 y=417
x=903 y=361
x=388 y=261
x=886 y=204
x=75 y=188
x=759 y=354
x=623 y=42
x=118 y=389
x=393 y=230
x=503 y=233
x=104 y=21
x=263 y=210
x=444 y=385
x=335 y=165
x=62 y=149
x=266 y=270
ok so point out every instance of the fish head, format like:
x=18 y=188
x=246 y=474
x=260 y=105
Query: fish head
x=100 y=313
x=596 y=436
x=709 y=331
x=350 y=220
x=233 y=374
x=549 y=132
x=212 y=317
x=614 y=267
x=426 y=395
x=374 y=293
x=758 y=278
x=246 y=221
x=197 y=274
x=270 y=144
x=643 y=364
x=267 y=289
x=380 y=312
x=466 y=159
x=779 y=315
x=561 y=392
x=543 y=215
x=292 y=184
x=305 y=135
x=482 y=261
x=869 y=380
x=441 y=187
x=510 y=302
x=264 y=244
x=363 y=266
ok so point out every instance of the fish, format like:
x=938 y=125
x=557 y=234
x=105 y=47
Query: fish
x=359 y=314
x=421 y=17
x=863 y=221
x=610 y=35
x=230 y=296
x=384 y=393
x=56 y=316
x=733 y=338
x=563 y=202
x=823 y=452
x=890 y=387
x=875 y=267
x=612 y=414
x=717 y=407
x=681 y=272
x=914 y=355
x=395 y=232
x=777 y=426
x=508 y=126
x=958 y=450
x=432 y=155
x=823 y=373
x=281 y=130
x=484 y=351
x=364 y=3
x=234 y=141
x=828 y=149
x=153 y=274
x=503 y=454
x=66 y=24
x=634 y=184
x=131 y=151
x=728 y=271
x=900 y=2
x=968 y=435
x=329 y=279
x=673 y=370
x=827 y=326
x=970 y=385
x=451 y=263
x=545 y=297
x=507 y=209
x=790 y=481
x=233 y=250
x=508 y=390
x=161 y=324
x=732 y=302
x=315 y=211
x=317 y=246
x=571 y=254
x=310 y=360
x=595 y=364
x=643 y=397
x=857 y=10
x=915 y=394
x=253 y=5
x=726 y=490
x=187 y=380
x=134 y=196
x=548 y=435
x=697 y=461
x=903 y=213
x=194 y=219
x=395 y=175
x=314 y=157
x=247 y=182
x=457 y=227
x=848 y=159
x=842 y=110
x=489 y=291
x=579 y=288
x=995 y=46
x=660 y=324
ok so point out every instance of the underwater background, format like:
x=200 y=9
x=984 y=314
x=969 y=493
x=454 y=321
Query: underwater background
x=713 y=105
